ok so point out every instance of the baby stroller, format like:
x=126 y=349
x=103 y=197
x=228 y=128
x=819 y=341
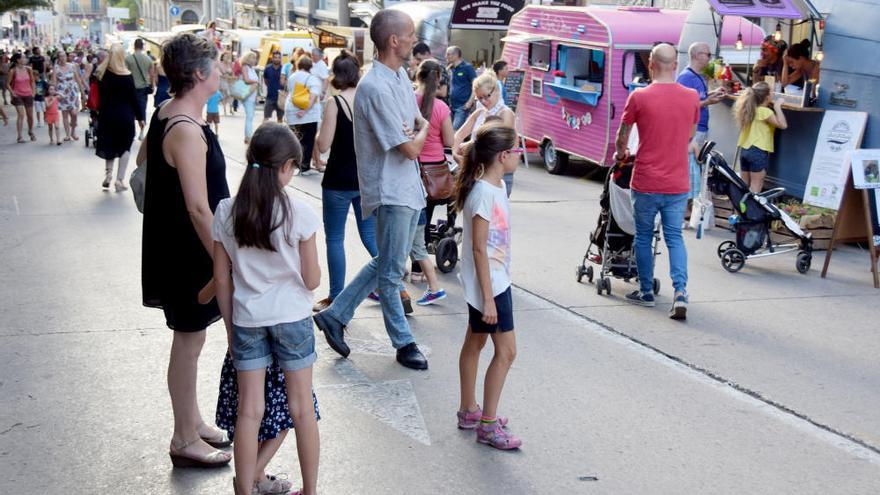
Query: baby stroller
x=611 y=243
x=92 y=104
x=445 y=237
x=754 y=215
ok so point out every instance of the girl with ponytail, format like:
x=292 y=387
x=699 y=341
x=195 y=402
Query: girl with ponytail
x=757 y=123
x=481 y=196
x=440 y=135
x=265 y=268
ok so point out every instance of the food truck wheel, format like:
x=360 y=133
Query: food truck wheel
x=555 y=161
x=447 y=255
x=733 y=260
x=804 y=259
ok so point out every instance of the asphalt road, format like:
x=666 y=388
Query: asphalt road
x=771 y=386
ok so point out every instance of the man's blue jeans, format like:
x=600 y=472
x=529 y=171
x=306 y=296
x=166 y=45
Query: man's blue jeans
x=459 y=116
x=671 y=208
x=395 y=228
x=336 y=207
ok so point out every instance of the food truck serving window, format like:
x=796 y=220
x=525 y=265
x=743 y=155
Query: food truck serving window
x=539 y=55
x=582 y=66
x=635 y=68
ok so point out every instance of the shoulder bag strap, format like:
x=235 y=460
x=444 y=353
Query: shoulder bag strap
x=138 y=65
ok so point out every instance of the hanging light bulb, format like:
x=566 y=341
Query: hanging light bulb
x=778 y=34
x=739 y=41
x=819 y=56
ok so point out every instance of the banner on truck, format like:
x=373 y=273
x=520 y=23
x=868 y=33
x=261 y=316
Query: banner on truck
x=484 y=14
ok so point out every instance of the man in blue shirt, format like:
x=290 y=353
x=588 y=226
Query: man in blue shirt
x=462 y=77
x=272 y=78
x=691 y=77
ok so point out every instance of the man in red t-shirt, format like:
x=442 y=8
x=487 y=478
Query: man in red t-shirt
x=666 y=114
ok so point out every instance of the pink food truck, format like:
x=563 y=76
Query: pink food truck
x=577 y=66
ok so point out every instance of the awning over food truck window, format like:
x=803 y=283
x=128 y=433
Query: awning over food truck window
x=782 y=9
x=484 y=14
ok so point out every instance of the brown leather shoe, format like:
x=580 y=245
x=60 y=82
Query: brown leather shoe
x=322 y=304
x=406 y=301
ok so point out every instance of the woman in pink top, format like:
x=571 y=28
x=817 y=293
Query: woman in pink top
x=21 y=85
x=440 y=135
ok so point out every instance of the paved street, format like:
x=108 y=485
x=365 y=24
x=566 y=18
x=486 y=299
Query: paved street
x=771 y=386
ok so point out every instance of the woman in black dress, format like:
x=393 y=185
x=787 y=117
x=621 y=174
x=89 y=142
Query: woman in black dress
x=186 y=179
x=116 y=115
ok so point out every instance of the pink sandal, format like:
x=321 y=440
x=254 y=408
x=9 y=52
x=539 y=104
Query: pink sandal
x=468 y=420
x=494 y=435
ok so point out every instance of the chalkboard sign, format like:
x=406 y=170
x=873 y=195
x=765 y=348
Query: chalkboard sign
x=512 y=86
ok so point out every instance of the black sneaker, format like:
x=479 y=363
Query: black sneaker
x=411 y=357
x=333 y=332
x=679 y=307
x=642 y=299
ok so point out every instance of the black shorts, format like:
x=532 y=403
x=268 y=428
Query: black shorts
x=22 y=101
x=504 y=307
x=272 y=106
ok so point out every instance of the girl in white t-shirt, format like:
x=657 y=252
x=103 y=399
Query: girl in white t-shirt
x=485 y=276
x=267 y=238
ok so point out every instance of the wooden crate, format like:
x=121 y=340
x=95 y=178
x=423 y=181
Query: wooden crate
x=723 y=210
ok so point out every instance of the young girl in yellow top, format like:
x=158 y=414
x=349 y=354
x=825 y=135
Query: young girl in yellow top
x=757 y=122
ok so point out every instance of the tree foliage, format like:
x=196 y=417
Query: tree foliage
x=7 y=5
x=131 y=5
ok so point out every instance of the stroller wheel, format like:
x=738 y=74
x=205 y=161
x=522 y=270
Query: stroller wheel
x=724 y=246
x=733 y=260
x=656 y=286
x=804 y=259
x=579 y=273
x=447 y=255
x=590 y=274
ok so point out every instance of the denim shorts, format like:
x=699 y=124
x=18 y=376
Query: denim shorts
x=292 y=344
x=419 y=252
x=754 y=159
x=504 y=308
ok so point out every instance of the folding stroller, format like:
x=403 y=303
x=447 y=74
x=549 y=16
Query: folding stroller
x=754 y=214
x=92 y=104
x=611 y=243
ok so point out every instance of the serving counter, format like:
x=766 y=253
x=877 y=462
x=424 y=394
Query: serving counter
x=793 y=147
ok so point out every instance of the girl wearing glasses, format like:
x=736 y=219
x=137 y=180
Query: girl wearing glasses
x=485 y=91
x=485 y=278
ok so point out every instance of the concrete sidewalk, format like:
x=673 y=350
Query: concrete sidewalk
x=770 y=387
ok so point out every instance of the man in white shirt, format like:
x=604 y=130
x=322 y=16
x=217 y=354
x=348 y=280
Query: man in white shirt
x=320 y=70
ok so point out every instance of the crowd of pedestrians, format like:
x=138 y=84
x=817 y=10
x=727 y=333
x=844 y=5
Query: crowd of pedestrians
x=252 y=259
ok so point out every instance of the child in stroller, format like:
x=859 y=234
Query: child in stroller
x=92 y=103
x=752 y=221
x=611 y=243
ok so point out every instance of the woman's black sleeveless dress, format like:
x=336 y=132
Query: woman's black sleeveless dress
x=175 y=264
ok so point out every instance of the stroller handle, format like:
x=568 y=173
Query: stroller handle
x=705 y=150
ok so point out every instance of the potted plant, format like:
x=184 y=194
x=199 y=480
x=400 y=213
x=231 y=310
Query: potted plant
x=813 y=219
x=558 y=76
